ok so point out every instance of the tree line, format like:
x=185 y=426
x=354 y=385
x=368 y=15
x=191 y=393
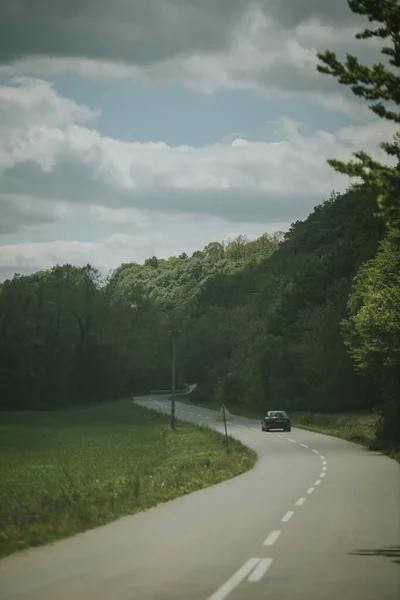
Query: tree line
x=308 y=320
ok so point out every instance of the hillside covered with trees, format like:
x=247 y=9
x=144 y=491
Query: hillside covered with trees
x=308 y=320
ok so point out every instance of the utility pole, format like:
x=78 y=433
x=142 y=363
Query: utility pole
x=226 y=430
x=173 y=395
x=173 y=381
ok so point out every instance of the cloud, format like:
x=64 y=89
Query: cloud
x=24 y=212
x=267 y=46
x=142 y=31
x=48 y=153
x=33 y=116
x=70 y=194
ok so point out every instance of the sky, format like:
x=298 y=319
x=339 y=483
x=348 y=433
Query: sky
x=136 y=128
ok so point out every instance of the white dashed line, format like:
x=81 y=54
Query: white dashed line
x=190 y=413
x=279 y=435
x=260 y=570
x=300 y=502
x=244 y=426
x=199 y=415
x=304 y=446
x=315 y=451
x=322 y=475
x=288 y=516
x=271 y=539
x=324 y=462
x=235 y=580
x=293 y=441
x=323 y=457
x=317 y=482
x=208 y=418
x=310 y=490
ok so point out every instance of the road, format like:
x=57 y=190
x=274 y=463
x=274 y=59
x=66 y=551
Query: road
x=317 y=519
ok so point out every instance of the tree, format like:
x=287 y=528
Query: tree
x=372 y=331
x=381 y=86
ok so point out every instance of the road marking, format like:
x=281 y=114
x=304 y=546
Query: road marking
x=322 y=475
x=279 y=435
x=310 y=490
x=293 y=441
x=300 y=501
x=316 y=451
x=199 y=415
x=324 y=462
x=317 y=482
x=304 y=446
x=242 y=426
x=208 y=418
x=271 y=539
x=260 y=570
x=253 y=429
x=323 y=457
x=324 y=468
x=190 y=413
x=235 y=580
x=288 y=516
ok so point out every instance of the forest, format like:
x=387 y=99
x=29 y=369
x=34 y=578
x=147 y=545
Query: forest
x=308 y=320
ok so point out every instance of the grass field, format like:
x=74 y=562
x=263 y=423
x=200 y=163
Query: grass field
x=68 y=471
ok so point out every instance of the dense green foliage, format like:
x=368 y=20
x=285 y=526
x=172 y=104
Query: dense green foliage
x=66 y=338
x=307 y=321
x=83 y=467
x=271 y=334
x=381 y=86
x=372 y=330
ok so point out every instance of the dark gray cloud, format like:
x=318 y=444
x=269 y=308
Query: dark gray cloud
x=135 y=31
x=290 y=13
x=20 y=212
x=233 y=205
x=139 y=31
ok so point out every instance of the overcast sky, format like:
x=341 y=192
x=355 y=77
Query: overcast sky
x=140 y=127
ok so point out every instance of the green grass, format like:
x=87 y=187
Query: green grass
x=67 y=471
x=354 y=427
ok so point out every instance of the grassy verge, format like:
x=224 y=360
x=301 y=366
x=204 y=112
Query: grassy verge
x=68 y=471
x=354 y=427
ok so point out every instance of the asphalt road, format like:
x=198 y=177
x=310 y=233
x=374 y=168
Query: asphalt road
x=317 y=519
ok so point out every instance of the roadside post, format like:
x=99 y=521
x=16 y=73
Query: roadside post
x=223 y=415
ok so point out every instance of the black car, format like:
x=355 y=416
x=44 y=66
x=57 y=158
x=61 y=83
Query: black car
x=276 y=419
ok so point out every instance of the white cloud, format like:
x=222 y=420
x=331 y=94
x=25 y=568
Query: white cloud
x=128 y=200
x=220 y=179
x=33 y=122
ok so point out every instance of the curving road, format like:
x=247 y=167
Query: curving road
x=317 y=519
